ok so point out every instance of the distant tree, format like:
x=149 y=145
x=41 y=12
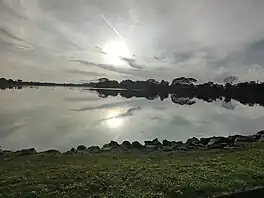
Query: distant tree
x=164 y=83
x=228 y=105
x=181 y=100
x=192 y=80
x=230 y=79
x=152 y=81
x=183 y=81
x=102 y=80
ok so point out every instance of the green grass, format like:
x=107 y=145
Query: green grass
x=134 y=174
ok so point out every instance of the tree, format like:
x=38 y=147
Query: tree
x=152 y=81
x=102 y=80
x=183 y=81
x=230 y=79
x=164 y=83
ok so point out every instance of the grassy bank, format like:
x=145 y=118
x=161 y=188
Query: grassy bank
x=133 y=174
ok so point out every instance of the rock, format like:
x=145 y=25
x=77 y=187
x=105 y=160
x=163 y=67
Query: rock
x=112 y=145
x=151 y=147
x=167 y=148
x=73 y=150
x=6 y=153
x=193 y=141
x=153 y=144
x=260 y=133
x=260 y=136
x=205 y=141
x=219 y=146
x=156 y=142
x=94 y=149
x=240 y=140
x=166 y=143
x=81 y=148
x=106 y=149
x=126 y=145
x=25 y=152
x=216 y=141
x=137 y=145
x=261 y=139
x=183 y=148
x=231 y=139
x=176 y=145
x=51 y=152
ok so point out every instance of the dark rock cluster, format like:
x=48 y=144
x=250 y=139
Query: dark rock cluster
x=235 y=141
x=231 y=142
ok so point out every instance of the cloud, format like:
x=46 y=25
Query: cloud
x=132 y=63
x=8 y=34
x=204 y=39
x=128 y=113
x=104 y=66
x=84 y=72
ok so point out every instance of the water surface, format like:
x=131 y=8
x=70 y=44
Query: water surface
x=62 y=118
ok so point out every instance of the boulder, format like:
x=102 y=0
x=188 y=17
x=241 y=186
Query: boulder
x=81 y=148
x=25 y=152
x=260 y=133
x=111 y=146
x=94 y=149
x=205 y=141
x=137 y=145
x=166 y=143
x=193 y=141
x=240 y=140
x=176 y=145
x=126 y=145
x=216 y=141
x=51 y=152
x=260 y=136
x=153 y=144
x=218 y=146
x=6 y=153
x=156 y=142
x=167 y=148
x=183 y=148
x=151 y=147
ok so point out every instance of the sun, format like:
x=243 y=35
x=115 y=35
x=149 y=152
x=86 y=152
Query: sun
x=114 y=122
x=114 y=51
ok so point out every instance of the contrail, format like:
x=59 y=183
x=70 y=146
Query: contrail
x=113 y=28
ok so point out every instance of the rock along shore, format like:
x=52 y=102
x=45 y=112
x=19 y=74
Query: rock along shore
x=231 y=142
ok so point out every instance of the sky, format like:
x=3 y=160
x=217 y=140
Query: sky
x=72 y=41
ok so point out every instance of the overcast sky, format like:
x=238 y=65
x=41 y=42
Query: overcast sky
x=61 y=40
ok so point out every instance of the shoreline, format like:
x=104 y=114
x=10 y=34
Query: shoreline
x=222 y=166
x=192 y=144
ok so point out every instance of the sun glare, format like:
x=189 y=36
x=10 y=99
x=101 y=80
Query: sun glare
x=112 y=120
x=114 y=50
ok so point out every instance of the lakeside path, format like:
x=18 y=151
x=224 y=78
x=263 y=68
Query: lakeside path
x=133 y=174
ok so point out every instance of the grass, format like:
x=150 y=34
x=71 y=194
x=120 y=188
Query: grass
x=133 y=174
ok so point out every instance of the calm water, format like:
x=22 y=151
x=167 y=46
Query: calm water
x=63 y=118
